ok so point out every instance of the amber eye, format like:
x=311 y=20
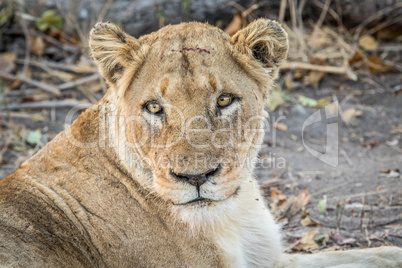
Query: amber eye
x=224 y=100
x=153 y=107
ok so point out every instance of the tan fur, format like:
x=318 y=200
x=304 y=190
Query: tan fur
x=103 y=193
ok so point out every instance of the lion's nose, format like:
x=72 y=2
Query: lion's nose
x=196 y=179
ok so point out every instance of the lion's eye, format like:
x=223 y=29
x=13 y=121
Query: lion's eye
x=153 y=107
x=224 y=100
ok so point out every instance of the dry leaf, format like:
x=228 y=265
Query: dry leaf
x=37 y=45
x=281 y=126
x=308 y=222
x=300 y=201
x=388 y=34
x=368 y=43
x=348 y=241
x=286 y=207
x=314 y=77
x=275 y=99
x=376 y=65
x=309 y=102
x=379 y=188
x=370 y=144
x=289 y=82
x=277 y=195
x=350 y=114
x=357 y=57
x=279 y=202
x=307 y=243
x=390 y=172
x=299 y=73
x=7 y=62
x=324 y=102
x=396 y=129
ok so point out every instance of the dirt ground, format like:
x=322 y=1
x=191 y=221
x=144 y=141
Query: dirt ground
x=367 y=178
x=363 y=190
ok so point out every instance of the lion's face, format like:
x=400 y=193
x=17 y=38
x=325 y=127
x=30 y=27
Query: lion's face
x=192 y=104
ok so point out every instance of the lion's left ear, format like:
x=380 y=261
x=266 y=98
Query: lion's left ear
x=264 y=40
x=112 y=49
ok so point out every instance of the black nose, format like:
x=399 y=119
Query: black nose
x=197 y=179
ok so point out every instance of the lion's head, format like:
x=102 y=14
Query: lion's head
x=190 y=105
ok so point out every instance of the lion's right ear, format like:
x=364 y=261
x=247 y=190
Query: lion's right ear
x=112 y=49
x=263 y=40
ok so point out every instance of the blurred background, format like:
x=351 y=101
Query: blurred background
x=341 y=51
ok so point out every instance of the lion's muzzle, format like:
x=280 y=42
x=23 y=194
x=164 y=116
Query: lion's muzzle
x=196 y=179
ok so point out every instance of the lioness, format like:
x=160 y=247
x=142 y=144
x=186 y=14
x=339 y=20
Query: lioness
x=158 y=173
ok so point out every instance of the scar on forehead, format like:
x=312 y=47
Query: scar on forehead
x=163 y=85
x=212 y=81
x=197 y=49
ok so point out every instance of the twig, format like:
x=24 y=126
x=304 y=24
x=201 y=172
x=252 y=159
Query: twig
x=49 y=88
x=373 y=17
x=323 y=14
x=351 y=195
x=339 y=213
x=21 y=116
x=5 y=147
x=282 y=10
x=248 y=13
x=320 y=68
x=299 y=14
x=236 y=6
x=337 y=15
x=292 y=10
x=60 y=66
x=362 y=213
x=48 y=104
x=105 y=9
x=390 y=47
x=78 y=82
x=384 y=24
x=27 y=44
x=36 y=64
x=66 y=47
x=69 y=20
x=24 y=93
x=326 y=190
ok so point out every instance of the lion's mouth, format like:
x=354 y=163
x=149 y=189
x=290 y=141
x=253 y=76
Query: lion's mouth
x=198 y=200
x=206 y=201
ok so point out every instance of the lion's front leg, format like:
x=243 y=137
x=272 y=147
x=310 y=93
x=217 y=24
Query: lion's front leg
x=260 y=235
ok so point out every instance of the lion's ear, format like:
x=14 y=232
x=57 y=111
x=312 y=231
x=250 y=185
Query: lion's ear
x=265 y=41
x=112 y=49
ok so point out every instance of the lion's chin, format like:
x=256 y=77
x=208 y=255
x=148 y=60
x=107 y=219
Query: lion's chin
x=202 y=213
